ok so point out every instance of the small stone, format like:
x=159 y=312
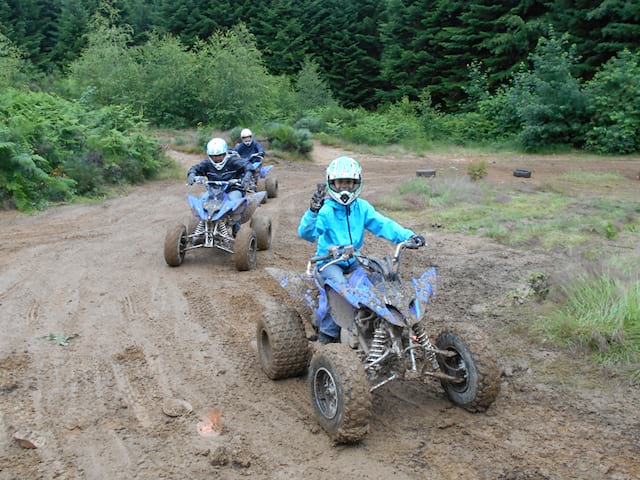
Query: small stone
x=176 y=407
x=219 y=457
x=28 y=439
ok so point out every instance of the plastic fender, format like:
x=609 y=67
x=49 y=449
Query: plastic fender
x=425 y=289
x=358 y=292
x=196 y=205
x=265 y=170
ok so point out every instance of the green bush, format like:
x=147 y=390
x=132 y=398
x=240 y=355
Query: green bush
x=284 y=137
x=614 y=94
x=53 y=148
x=549 y=100
x=477 y=169
x=313 y=124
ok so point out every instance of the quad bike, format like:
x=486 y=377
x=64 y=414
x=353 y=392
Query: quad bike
x=223 y=223
x=262 y=181
x=384 y=336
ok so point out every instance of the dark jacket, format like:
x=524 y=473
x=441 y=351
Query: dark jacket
x=236 y=167
x=246 y=151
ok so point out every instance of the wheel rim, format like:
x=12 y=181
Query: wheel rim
x=182 y=245
x=325 y=392
x=265 y=347
x=253 y=246
x=456 y=367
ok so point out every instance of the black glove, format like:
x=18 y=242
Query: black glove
x=191 y=178
x=419 y=240
x=317 y=201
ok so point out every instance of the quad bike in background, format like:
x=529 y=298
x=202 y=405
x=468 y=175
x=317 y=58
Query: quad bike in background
x=385 y=335
x=263 y=180
x=222 y=223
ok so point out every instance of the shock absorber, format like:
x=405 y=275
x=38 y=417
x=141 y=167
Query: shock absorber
x=199 y=228
x=423 y=340
x=378 y=346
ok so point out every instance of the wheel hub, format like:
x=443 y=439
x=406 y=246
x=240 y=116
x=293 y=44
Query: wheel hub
x=325 y=393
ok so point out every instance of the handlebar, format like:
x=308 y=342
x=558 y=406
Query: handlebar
x=340 y=253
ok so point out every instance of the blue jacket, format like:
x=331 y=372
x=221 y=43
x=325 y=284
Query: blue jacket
x=246 y=151
x=332 y=226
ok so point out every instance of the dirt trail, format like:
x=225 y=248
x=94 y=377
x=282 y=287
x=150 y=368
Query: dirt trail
x=147 y=333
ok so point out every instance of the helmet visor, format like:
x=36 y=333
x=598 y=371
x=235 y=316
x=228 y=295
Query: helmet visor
x=344 y=184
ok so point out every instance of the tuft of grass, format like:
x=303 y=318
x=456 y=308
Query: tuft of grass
x=477 y=170
x=600 y=314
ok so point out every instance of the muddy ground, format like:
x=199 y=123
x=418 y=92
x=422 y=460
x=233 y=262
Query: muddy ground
x=142 y=333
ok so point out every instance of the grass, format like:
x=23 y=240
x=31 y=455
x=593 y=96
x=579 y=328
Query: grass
x=600 y=314
x=547 y=219
x=599 y=309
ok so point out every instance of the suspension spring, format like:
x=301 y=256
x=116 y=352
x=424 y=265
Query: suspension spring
x=378 y=345
x=199 y=228
x=423 y=340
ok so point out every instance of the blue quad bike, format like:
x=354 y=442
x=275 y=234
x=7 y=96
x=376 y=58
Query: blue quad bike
x=385 y=335
x=222 y=223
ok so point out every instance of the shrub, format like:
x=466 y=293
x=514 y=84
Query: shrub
x=614 y=93
x=284 y=137
x=477 y=169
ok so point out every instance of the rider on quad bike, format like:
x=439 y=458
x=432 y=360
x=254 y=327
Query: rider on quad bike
x=342 y=219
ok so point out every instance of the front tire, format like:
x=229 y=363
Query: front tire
x=245 y=247
x=283 y=349
x=262 y=227
x=175 y=244
x=340 y=393
x=475 y=364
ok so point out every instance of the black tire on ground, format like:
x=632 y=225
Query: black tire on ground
x=476 y=362
x=175 y=243
x=340 y=393
x=244 y=252
x=520 y=172
x=262 y=226
x=271 y=186
x=426 y=173
x=283 y=349
x=261 y=187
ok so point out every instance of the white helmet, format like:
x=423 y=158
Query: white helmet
x=246 y=135
x=344 y=168
x=217 y=152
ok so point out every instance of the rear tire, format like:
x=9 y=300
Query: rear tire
x=262 y=226
x=245 y=247
x=283 y=349
x=476 y=363
x=271 y=186
x=175 y=244
x=262 y=187
x=340 y=393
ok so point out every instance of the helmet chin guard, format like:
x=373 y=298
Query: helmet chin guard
x=215 y=148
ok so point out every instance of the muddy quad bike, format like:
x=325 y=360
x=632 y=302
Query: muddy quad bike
x=263 y=180
x=384 y=336
x=223 y=223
